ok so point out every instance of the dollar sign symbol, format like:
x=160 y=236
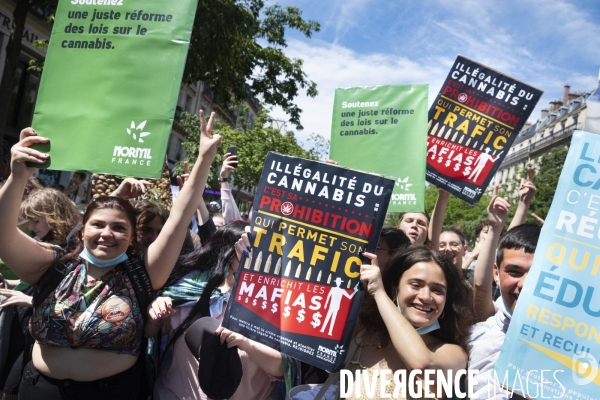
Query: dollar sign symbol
x=467 y=171
x=440 y=159
x=264 y=305
x=447 y=163
x=274 y=308
x=300 y=317
x=254 y=302
x=456 y=166
x=286 y=311
x=246 y=300
x=316 y=319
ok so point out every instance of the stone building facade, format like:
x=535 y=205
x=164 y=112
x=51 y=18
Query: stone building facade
x=555 y=127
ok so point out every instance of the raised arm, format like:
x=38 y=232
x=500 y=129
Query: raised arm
x=268 y=359
x=163 y=253
x=131 y=188
x=23 y=255
x=437 y=219
x=201 y=212
x=69 y=190
x=230 y=209
x=417 y=355
x=483 y=304
x=206 y=226
x=526 y=192
x=473 y=254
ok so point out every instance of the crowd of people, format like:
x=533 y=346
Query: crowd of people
x=104 y=300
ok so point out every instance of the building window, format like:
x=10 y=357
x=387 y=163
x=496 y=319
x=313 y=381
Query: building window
x=23 y=96
x=175 y=148
x=188 y=104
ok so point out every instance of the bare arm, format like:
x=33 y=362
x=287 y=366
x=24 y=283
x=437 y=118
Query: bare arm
x=230 y=209
x=160 y=309
x=12 y=283
x=163 y=253
x=131 y=188
x=268 y=359
x=23 y=255
x=526 y=192
x=71 y=189
x=15 y=298
x=417 y=355
x=437 y=219
x=483 y=304
x=537 y=219
x=472 y=255
x=202 y=213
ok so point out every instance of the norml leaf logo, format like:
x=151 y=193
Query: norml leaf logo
x=403 y=183
x=134 y=131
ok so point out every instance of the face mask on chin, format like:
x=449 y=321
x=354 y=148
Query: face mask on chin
x=86 y=255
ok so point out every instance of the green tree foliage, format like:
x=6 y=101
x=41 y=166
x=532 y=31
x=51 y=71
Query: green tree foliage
x=318 y=145
x=235 y=42
x=253 y=146
x=545 y=180
x=459 y=213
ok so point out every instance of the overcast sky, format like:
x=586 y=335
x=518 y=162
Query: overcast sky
x=364 y=42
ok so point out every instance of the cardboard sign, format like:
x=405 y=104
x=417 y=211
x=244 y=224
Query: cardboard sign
x=381 y=129
x=554 y=335
x=300 y=290
x=110 y=84
x=472 y=123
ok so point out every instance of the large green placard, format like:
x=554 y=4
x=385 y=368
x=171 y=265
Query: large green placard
x=110 y=84
x=383 y=129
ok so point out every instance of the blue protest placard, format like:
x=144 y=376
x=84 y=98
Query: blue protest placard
x=552 y=346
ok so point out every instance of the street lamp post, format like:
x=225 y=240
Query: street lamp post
x=281 y=124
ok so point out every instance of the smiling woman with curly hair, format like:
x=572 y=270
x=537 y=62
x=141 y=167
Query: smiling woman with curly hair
x=51 y=215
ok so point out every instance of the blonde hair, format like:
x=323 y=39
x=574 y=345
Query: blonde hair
x=61 y=213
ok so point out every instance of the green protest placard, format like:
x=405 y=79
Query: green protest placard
x=383 y=129
x=110 y=84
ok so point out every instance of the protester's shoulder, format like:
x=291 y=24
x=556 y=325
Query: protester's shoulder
x=57 y=251
x=485 y=342
x=486 y=329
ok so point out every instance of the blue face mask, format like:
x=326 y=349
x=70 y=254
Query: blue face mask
x=425 y=329
x=86 y=255
x=217 y=303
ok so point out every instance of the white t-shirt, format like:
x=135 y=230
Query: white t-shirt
x=484 y=344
